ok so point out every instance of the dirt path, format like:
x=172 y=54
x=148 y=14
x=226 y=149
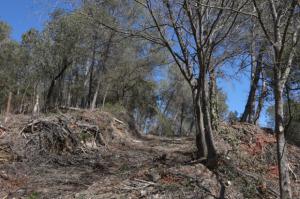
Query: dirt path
x=145 y=168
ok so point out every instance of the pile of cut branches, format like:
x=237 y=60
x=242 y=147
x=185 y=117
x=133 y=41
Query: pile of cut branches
x=90 y=131
x=52 y=136
x=59 y=135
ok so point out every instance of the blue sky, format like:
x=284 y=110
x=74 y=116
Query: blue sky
x=25 y=14
x=237 y=89
x=22 y=15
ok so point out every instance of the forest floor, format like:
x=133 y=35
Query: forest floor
x=41 y=159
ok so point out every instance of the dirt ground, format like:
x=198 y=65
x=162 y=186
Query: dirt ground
x=135 y=167
x=146 y=168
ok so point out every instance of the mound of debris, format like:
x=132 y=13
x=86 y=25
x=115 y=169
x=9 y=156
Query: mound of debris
x=65 y=135
x=51 y=135
x=249 y=160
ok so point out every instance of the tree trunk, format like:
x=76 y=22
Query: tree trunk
x=261 y=100
x=89 y=95
x=93 y=105
x=190 y=128
x=36 y=108
x=248 y=114
x=200 y=132
x=68 y=104
x=211 y=149
x=21 y=109
x=104 y=98
x=8 y=106
x=284 y=179
x=213 y=100
x=105 y=57
x=60 y=92
x=289 y=118
x=181 y=119
x=49 y=100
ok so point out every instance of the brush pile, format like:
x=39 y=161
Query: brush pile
x=52 y=136
x=65 y=138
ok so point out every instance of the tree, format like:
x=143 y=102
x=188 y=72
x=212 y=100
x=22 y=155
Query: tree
x=11 y=74
x=5 y=30
x=233 y=117
x=279 y=21
x=175 y=108
x=75 y=61
x=175 y=112
x=65 y=31
x=256 y=71
x=291 y=120
x=193 y=32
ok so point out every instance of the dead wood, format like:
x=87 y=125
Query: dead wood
x=88 y=128
x=257 y=177
x=52 y=136
x=119 y=121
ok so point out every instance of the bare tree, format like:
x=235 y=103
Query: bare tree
x=193 y=32
x=280 y=23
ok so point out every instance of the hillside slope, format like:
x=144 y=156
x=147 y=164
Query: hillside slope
x=83 y=154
